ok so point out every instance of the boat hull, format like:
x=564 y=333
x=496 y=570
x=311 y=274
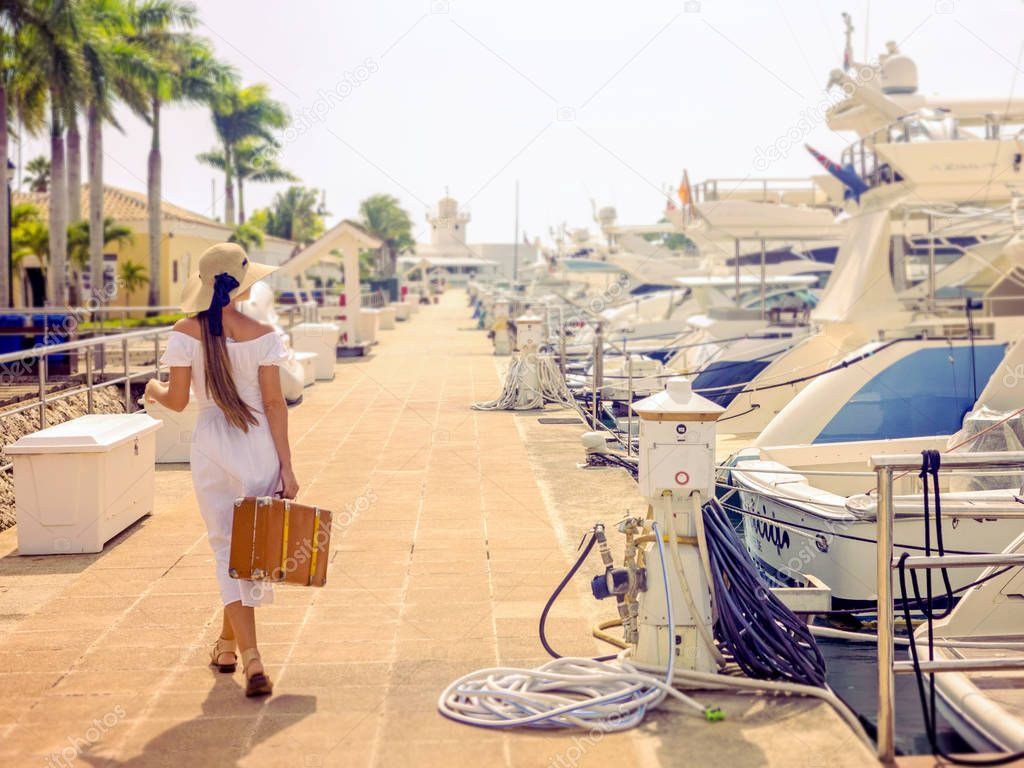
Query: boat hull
x=790 y=541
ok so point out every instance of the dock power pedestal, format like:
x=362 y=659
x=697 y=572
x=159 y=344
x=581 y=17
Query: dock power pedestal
x=676 y=473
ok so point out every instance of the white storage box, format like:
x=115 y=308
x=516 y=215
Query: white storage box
x=368 y=323
x=387 y=318
x=402 y=310
x=80 y=483
x=174 y=438
x=321 y=338
x=308 y=362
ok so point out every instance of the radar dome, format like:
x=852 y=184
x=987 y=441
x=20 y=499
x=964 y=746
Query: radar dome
x=898 y=74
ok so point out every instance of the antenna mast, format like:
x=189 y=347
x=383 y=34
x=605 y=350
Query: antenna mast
x=848 y=51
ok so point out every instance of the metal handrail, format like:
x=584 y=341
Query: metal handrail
x=41 y=350
x=712 y=189
x=885 y=467
x=39 y=353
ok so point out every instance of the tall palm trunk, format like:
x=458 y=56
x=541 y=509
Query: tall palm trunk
x=5 y=223
x=241 y=202
x=229 y=188
x=94 y=151
x=73 y=140
x=155 y=203
x=56 y=276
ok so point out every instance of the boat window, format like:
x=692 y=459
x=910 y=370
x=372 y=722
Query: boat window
x=924 y=393
x=796 y=299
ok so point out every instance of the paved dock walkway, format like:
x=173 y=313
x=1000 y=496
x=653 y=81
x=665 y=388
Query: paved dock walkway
x=453 y=526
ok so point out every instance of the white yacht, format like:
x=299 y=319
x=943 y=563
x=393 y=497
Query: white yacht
x=985 y=706
x=938 y=173
x=808 y=503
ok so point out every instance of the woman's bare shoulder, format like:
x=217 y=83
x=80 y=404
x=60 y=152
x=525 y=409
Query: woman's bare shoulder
x=188 y=326
x=247 y=329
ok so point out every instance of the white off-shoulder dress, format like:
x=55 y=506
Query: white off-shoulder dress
x=226 y=462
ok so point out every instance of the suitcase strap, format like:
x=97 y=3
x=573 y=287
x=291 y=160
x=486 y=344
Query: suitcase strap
x=254 y=572
x=313 y=543
x=284 y=539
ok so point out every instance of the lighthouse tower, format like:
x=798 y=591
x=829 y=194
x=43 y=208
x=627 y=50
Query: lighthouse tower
x=448 y=228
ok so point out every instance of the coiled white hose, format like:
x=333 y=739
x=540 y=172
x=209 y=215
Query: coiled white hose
x=565 y=693
x=517 y=396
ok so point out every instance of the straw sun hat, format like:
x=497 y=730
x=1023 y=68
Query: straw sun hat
x=225 y=271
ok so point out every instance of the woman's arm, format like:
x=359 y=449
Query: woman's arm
x=277 y=419
x=175 y=393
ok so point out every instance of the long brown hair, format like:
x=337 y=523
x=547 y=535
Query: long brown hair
x=220 y=386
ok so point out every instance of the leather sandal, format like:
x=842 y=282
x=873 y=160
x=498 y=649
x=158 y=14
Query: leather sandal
x=221 y=647
x=257 y=684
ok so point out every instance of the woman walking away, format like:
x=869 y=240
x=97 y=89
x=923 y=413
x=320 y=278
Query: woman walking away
x=240 y=443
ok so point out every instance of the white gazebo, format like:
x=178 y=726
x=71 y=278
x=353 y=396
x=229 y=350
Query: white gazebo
x=338 y=247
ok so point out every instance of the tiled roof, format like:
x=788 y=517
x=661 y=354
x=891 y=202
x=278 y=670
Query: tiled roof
x=121 y=205
x=126 y=205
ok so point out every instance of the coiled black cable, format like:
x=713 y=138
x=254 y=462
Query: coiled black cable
x=753 y=628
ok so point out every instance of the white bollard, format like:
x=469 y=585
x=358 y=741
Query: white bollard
x=677 y=449
x=500 y=326
x=528 y=338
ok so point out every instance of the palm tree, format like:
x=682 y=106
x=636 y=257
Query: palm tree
x=29 y=234
x=115 y=66
x=255 y=160
x=131 y=277
x=247 y=236
x=29 y=237
x=295 y=214
x=80 y=243
x=52 y=33
x=241 y=114
x=38 y=178
x=383 y=216
x=185 y=71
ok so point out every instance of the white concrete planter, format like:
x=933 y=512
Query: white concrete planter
x=174 y=438
x=321 y=338
x=308 y=362
x=387 y=318
x=369 y=322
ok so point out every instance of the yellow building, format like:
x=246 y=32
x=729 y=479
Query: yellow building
x=183 y=236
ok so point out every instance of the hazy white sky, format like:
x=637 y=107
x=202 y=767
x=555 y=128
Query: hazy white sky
x=577 y=100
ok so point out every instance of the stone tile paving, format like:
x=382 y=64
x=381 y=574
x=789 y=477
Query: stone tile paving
x=453 y=527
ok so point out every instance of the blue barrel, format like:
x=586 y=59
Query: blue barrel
x=11 y=342
x=56 y=333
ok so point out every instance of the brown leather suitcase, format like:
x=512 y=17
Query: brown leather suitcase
x=279 y=540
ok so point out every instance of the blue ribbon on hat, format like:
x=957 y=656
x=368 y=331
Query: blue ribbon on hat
x=223 y=285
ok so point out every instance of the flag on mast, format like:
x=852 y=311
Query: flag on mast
x=855 y=186
x=684 y=189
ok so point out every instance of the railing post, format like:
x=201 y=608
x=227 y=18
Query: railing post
x=886 y=650
x=88 y=379
x=629 y=397
x=127 y=378
x=41 y=370
x=561 y=340
x=598 y=369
